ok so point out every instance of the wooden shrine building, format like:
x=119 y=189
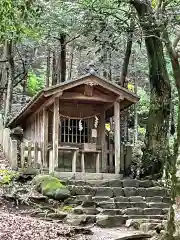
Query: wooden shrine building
x=68 y=120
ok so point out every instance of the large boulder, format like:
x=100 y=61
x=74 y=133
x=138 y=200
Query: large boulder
x=51 y=187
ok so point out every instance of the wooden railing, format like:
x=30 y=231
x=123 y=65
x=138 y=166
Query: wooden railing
x=27 y=154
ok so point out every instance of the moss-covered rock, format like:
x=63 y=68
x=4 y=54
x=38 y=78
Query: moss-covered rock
x=51 y=187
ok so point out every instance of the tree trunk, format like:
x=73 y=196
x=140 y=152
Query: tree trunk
x=172 y=164
x=54 y=75
x=156 y=144
x=48 y=66
x=4 y=76
x=63 y=57
x=127 y=54
x=10 y=82
x=71 y=61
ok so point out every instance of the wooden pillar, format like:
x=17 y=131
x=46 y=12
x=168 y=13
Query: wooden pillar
x=44 y=136
x=54 y=159
x=74 y=161
x=103 y=142
x=13 y=154
x=117 y=136
x=97 y=163
x=82 y=163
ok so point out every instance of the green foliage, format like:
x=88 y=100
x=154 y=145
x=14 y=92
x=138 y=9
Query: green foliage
x=34 y=83
x=7 y=176
x=143 y=105
x=18 y=18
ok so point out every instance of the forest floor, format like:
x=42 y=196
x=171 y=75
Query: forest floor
x=16 y=223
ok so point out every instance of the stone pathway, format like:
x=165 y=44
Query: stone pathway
x=14 y=226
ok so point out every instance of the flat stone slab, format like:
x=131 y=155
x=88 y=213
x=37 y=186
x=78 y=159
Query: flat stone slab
x=119 y=233
x=104 y=191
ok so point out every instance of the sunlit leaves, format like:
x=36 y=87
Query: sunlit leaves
x=17 y=18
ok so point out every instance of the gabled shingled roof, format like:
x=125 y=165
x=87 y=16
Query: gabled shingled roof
x=46 y=93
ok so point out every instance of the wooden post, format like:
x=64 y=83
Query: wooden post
x=74 y=161
x=44 y=137
x=82 y=163
x=22 y=155
x=55 y=134
x=103 y=142
x=117 y=136
x=13 y=154
x=97 y=163
x=29 y=161
x=36 y=154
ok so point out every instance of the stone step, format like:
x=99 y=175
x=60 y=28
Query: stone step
x=126 y=205
x=118 y=191
x=148 y=217
x=102 y=199
x=110 y=221
x=89 y=210
x=76 y=220
x=112 y=182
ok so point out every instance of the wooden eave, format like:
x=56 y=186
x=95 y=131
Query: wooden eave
x=47 y=95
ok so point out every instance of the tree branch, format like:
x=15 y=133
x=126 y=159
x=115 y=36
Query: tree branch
x=176 y=41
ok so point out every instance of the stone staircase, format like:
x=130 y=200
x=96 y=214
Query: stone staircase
x=113 y=203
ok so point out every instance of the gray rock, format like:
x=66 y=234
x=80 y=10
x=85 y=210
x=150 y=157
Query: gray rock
x=145 y=183
x=104 y=191
x=133 y=224
x=139 y=204
x=78 y=210
x=155 y=191
x=130 y=191
x=166 y=200
x=118 y=191
x=115 y=183
x=110 y=221
x=123 y=205
x=106 y=205
x=121 y=199
x=159 y=205
x=153 y=211
x=130 y=183
x=83 y=198
x=141 y=192
x=88 y=211
x=72 y=189
x=102 y=199
x=62 y=194
x=58 y=215
x=136 y=199
x=84 y=190
x=154 y=199
x=78 y=219
x=133 y=211
x=112 y=212
x=146 y=227
x=88 y=204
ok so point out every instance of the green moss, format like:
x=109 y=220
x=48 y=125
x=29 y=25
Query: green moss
x=67 y=209
x=51 y=187
x=7 y=176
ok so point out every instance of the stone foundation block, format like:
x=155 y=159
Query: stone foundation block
x=104 y=191
x=130 y=191
x=130 y=183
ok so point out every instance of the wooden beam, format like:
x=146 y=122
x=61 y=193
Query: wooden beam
x=55 y=134
x=117 y=136
x=81 y=96
x=44 y=136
